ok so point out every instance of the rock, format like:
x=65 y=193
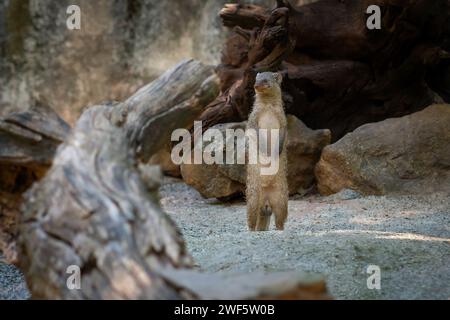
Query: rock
x=304 y=149
x=216 y=180
x=408 y=155
x=209 y=181
x=227 y=180
x=162 y=158
x=345 y=194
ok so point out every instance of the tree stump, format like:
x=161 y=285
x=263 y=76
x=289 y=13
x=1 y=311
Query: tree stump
x=338 y=74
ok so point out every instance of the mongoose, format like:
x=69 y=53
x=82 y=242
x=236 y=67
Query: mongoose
x=267 y=194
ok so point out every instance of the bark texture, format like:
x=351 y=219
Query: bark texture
x=28 y=142
x=338 y=74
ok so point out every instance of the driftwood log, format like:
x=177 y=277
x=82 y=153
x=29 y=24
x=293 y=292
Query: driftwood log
x=337 y=73
x=97 y=208
x=28 y=142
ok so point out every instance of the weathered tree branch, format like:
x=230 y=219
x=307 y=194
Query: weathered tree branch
x=265 y=50
x=28 y=142
x=93 y=210
x=174 y=101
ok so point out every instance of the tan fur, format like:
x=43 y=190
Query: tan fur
x=268 y=195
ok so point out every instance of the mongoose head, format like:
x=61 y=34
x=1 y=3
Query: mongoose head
x=267 y=83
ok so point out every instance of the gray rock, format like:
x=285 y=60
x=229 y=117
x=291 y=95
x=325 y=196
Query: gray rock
x=226 y=180
x=216 y=180
x=345 y=194
x=408 y=155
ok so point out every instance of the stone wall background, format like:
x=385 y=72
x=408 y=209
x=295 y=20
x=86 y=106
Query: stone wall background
x=122 y=45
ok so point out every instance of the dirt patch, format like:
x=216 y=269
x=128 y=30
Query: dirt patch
x=339 y=236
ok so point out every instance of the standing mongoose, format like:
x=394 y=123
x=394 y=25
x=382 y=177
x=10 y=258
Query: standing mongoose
x=267 y=194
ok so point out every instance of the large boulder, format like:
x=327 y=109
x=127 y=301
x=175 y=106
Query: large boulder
x=304 y=149
x=226 y=180
x=216 y=180
x=408 y=155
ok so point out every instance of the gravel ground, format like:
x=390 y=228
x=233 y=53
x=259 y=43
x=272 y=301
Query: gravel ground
x=408 y=237
x=12 y=283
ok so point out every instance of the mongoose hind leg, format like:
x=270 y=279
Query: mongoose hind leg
x=280 y=208
x=281 y=213
x=278 y=198
x=252 y=210
x=252 y=217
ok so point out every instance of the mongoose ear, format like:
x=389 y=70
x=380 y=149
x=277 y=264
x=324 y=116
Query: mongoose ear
x=279 y=77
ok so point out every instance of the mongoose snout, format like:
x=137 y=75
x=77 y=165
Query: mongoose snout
x=264 y=83
x=261 y=85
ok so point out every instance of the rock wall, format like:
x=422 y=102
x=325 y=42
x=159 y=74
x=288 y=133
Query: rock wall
x=122 y=44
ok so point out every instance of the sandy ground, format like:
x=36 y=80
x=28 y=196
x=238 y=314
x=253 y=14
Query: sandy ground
x=407 y=237
x=12 y=283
